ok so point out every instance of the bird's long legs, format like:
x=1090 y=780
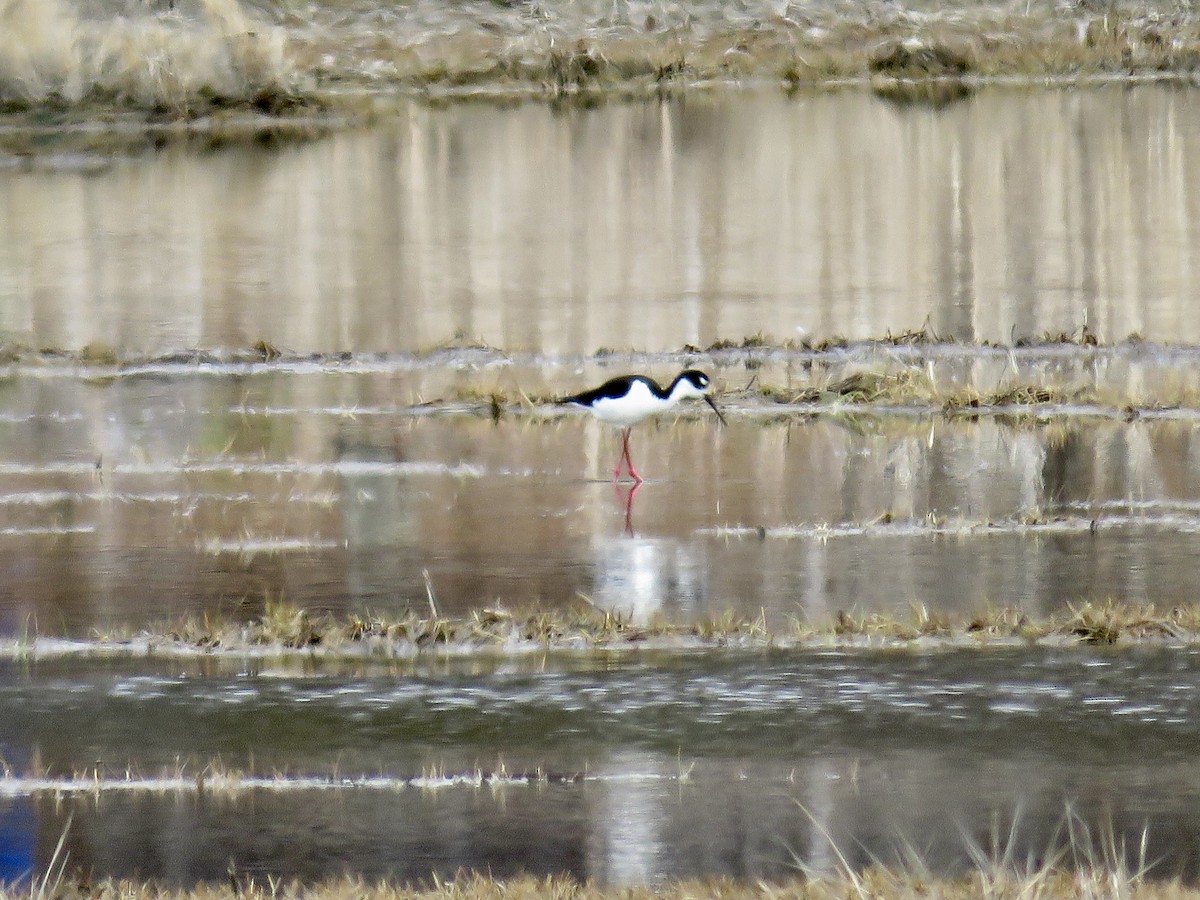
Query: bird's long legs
x=626 y=459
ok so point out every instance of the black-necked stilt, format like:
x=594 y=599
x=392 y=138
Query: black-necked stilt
x=626 y=400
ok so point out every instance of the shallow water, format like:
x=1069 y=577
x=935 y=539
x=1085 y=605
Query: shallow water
x=1009 y=214
x=641 y=768
x=140 y=500
x=132 y=495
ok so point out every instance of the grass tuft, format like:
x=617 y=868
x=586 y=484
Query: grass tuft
x=858 y=387
x=1106 y=622
x=915 y=60
x=167 y=62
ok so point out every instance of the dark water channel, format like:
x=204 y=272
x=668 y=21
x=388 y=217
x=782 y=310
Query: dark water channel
x=642 y=767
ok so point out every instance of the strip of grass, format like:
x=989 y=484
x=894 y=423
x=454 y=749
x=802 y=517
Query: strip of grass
x=881 y=883
x=904 y=371
x=287 y=629
x=753 y=347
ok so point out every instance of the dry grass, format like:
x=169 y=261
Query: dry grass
x=1081 y=861
x=196 y=55
x=583 y=627
x=1109 y=622
x=162 y=60
x=858 y=387
x=912 y=386
x=913 y=372
x=581 y=48
x=881 y=883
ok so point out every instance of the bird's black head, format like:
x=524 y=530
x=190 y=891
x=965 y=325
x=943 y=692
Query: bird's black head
x=696 y=379
x=696 y=384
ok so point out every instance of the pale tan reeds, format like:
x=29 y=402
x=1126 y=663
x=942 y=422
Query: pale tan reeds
x=583 y=626
x=154 y=59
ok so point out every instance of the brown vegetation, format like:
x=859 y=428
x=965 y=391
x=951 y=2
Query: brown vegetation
x=193 y=57
x=167 y=62
x=880 y=883
x=584 y=627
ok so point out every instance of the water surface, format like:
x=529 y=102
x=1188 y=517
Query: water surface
x=378 y=479
x=137 y=501
x=1012 y=213
x=640 y=768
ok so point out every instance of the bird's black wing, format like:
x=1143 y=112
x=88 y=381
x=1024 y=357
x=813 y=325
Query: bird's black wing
x=610 y=390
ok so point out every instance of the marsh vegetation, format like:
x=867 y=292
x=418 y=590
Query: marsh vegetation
x=307 y=574
x=64 y=62
x=880 y=883
x=495 y=632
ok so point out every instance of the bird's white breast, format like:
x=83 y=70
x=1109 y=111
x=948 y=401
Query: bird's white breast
x=639 y=403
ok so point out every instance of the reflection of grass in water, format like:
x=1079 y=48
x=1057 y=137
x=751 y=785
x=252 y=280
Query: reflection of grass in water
x=51 y=56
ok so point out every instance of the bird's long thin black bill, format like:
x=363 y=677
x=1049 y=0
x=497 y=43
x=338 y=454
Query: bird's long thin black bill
x=709 y=400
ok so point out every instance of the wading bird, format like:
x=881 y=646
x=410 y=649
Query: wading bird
x=626 y=400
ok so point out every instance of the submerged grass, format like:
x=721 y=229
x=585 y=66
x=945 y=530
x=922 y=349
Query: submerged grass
x=913 y=372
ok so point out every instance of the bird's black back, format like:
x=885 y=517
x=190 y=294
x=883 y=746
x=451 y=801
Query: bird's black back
x=614 y=388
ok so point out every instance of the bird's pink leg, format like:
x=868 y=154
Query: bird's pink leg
x=629 y=460
x=628 y=499
x=621 y=458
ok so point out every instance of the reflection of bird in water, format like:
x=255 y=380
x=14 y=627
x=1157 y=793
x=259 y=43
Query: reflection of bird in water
x=627 y=400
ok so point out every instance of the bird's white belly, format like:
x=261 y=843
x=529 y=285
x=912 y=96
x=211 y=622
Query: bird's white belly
x=630 y=409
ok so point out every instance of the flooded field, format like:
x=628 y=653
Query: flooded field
x=751 y=765
x=323 y=374
x=628 y=226
x=134 y=501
